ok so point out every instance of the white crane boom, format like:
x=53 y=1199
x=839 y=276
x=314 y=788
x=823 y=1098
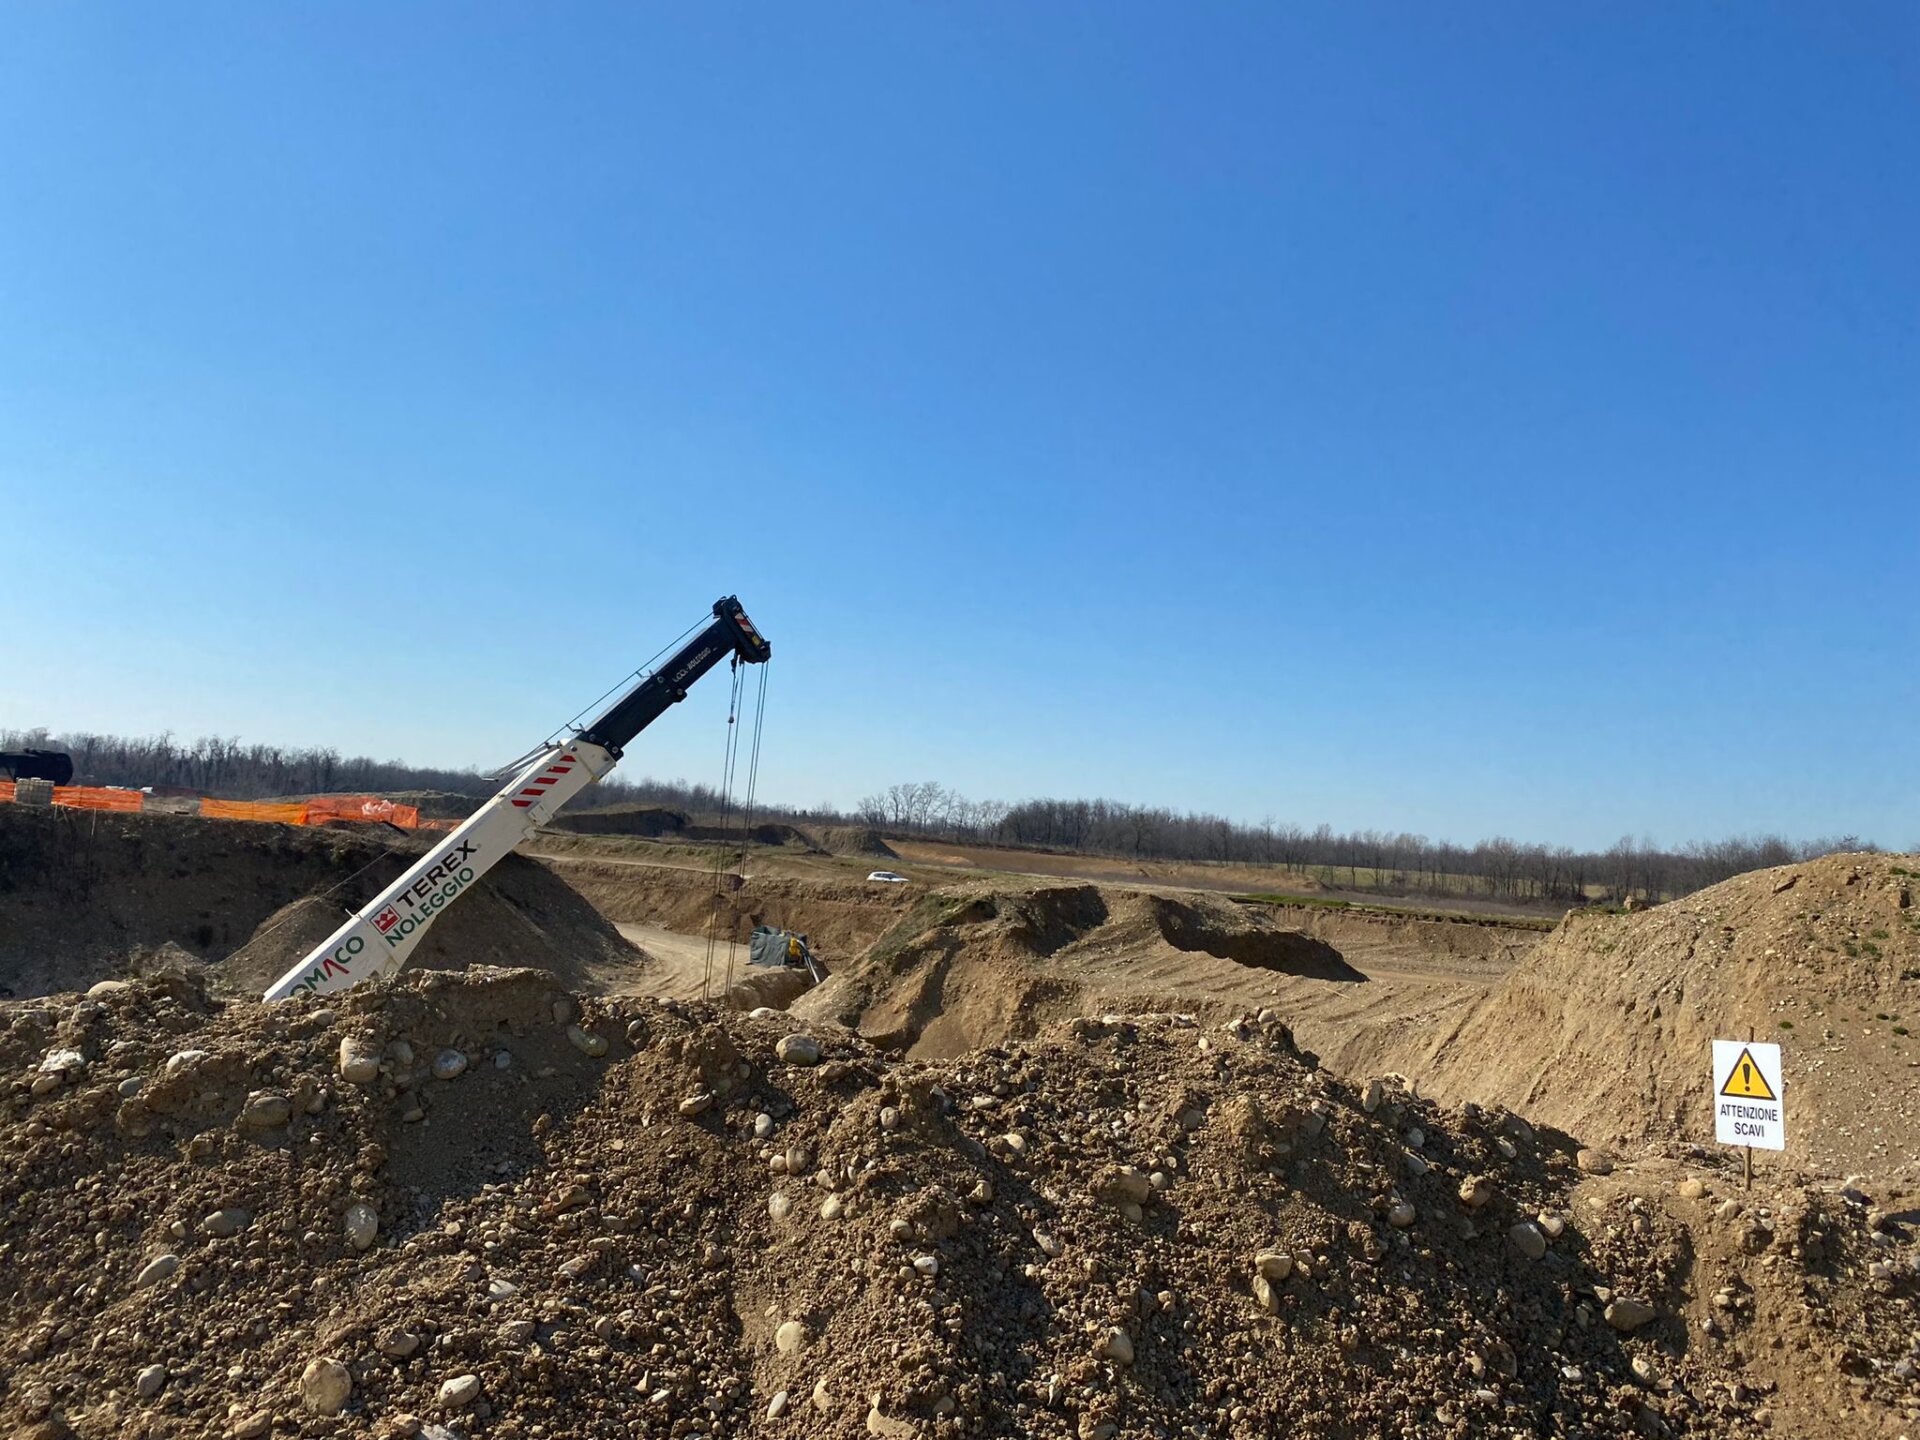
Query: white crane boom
x=377 y=938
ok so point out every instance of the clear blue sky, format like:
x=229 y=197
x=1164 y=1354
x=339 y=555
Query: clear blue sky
x=1462 y=419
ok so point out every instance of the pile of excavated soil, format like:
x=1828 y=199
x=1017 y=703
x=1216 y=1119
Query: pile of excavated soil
x=650 y=821
x=969 y=968
x=86 y=896
x=616 y=1218
x=520 y=914
x=1604 y=1029
x=840 y=917
x=854 y=840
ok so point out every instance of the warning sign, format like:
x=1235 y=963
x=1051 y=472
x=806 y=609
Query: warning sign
x=1746 y=1081
x=1747 y=1108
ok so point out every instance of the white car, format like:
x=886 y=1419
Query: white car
x=888 y=877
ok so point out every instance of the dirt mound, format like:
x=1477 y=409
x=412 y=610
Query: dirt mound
x=651 y=821
x=521 y=914
x=618 y=1218
x=1214 y=926
x=1604 y=1028
x=774 y=833
x=87 y=897
x=853 y=840
x=969 y=968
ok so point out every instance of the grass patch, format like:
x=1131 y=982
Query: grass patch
x=1403 y=912
x=1275 y=897
x=927 y=912
x=1786 y=1024
x=1900 y=1030
x=1877 y=935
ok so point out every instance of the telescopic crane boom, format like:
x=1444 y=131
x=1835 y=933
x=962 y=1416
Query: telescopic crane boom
x=377 y=939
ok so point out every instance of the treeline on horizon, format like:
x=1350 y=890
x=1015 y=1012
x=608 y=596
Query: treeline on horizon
x=1368 y=860
x=227 y=769
x=1364 y=860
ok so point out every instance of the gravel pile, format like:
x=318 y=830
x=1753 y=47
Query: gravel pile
x=472 y=1204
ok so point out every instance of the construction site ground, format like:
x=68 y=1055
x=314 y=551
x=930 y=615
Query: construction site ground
x=1048 y=1153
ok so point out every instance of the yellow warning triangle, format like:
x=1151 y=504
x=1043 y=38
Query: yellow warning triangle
x=1746 y=1082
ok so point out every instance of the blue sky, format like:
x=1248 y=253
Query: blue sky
x=1466 y=420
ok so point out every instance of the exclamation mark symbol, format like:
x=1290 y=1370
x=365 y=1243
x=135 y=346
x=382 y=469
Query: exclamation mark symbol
x=1746 y=1076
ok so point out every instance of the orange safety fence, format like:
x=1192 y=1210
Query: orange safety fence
x=362 y=807
x=285 y=813
x=86 y=797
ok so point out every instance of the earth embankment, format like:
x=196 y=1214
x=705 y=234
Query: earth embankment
x=1604 y=1028
x=86 y=896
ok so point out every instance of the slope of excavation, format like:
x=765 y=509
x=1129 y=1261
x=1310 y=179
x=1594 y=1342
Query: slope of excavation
x=87 y=897
x=843 y=916
x=478 y=1204
x=1604 y=1029
x=966 y=968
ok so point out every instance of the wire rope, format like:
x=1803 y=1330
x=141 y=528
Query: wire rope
x=730 y=760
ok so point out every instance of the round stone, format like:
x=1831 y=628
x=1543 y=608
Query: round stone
x=161 y=1267
x=359 y=1060
x=266 y=1109
x=798 y=1050
x=459 y=1392
x=361 y=1224
x=325 y=1386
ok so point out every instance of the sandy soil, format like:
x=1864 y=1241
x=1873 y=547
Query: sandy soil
x=1604 y=1028
x=1084 y=1104
x=1405 y=978
x=680 y=968
x=476 y=1205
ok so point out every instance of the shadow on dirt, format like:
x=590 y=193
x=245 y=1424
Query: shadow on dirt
x=1186 y=927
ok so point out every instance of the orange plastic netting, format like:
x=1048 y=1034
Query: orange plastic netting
x=286 y=814
x=86 y=797
x=362 y=807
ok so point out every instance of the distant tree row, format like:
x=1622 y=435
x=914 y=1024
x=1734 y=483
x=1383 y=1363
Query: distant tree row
x=1391 y=863
x=226 y=769
x=1371 y=860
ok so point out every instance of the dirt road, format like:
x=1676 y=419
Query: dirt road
x=680 y=962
